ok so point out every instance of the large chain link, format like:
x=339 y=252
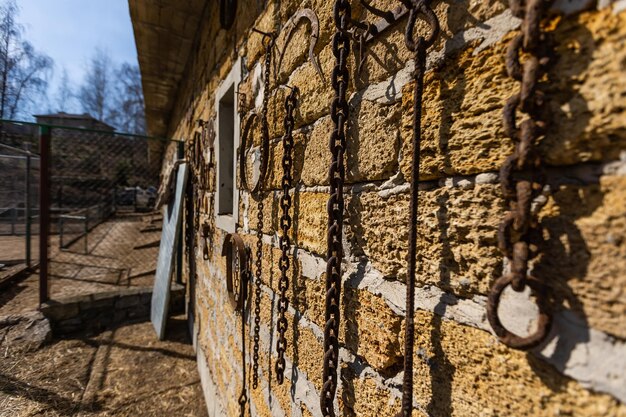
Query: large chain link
x=257 y=296
x=336 y=175
x=522 y=175
x=246 y=276
x=285 y=224
x=419 y=46
x=260 y=207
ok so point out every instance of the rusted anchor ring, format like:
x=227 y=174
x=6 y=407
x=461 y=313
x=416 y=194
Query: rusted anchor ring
x=544 y=322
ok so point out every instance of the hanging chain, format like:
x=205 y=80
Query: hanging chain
x=336 y=175
x=260 y=207
x=257 y=295
x=419 y=47
x=191 y=189
x=246 y=276
x=522 y=175
x=285 y=223
x=238 y=275
x=243 y=397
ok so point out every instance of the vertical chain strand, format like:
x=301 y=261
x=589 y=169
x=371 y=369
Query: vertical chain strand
x=260 y=207
x=285 y=224
x=419 y=47
x=336 y=176
x=522 y=176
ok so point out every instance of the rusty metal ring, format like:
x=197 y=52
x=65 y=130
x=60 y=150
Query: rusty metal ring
x=420 y=7
x=544 y=322
x=234 y=248
x=265 y=149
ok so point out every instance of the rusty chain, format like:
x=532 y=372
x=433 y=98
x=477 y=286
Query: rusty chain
x=285 y=224
x=419 y=46
x=191 y=224
x=256 y=191
x=238 y=277
x=522 y=175
x=257 y=295
x=339 y=112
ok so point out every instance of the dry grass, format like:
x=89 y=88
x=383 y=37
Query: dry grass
x=122 y=372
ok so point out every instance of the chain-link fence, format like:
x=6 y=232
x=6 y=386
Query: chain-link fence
x=19 y=209
x=99 y=196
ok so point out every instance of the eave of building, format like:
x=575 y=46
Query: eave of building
x=165 y=31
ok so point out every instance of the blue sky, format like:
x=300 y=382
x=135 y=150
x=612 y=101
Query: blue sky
x=69 y=31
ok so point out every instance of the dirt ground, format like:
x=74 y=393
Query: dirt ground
x=122 y=372
x=121 y=253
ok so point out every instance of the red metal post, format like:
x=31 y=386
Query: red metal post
x=44 y=211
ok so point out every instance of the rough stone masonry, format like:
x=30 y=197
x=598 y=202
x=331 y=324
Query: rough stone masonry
x=460 y=367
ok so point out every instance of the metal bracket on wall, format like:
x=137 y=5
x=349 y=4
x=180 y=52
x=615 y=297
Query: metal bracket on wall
x=365 y=32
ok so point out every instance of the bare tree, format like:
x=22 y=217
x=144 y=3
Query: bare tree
x=24 y=72
x=95 y=95
x=65 y=96
x=128 y=113
x=113 y=95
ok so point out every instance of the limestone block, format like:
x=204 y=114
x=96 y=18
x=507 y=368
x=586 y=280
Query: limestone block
x=267 y=22
x=373 y=140
x=463 y=101
x=316 y=153
x=585 y=252
x=372 y=330
x=315 y=94
x=269 y=213
x=464 y=371
x=275 y=169
x=457 y=246
x=310 y=221
x=588 y=84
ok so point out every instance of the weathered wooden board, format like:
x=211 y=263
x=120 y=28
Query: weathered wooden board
x=172 y=217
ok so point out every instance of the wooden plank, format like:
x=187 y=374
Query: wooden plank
x=172 y=217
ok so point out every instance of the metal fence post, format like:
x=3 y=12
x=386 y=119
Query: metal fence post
x=44 y=211
x=27 y=213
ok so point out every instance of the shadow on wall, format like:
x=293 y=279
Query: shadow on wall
x=298 y=300
x=572 y=260
x=566 y=255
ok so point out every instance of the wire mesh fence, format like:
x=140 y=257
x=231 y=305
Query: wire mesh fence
x=19 y=210
x=101 y=226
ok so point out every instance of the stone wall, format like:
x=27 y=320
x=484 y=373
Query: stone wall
x=460 y=367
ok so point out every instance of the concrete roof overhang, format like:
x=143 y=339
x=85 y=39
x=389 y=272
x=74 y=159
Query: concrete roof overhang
x=165 y=31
